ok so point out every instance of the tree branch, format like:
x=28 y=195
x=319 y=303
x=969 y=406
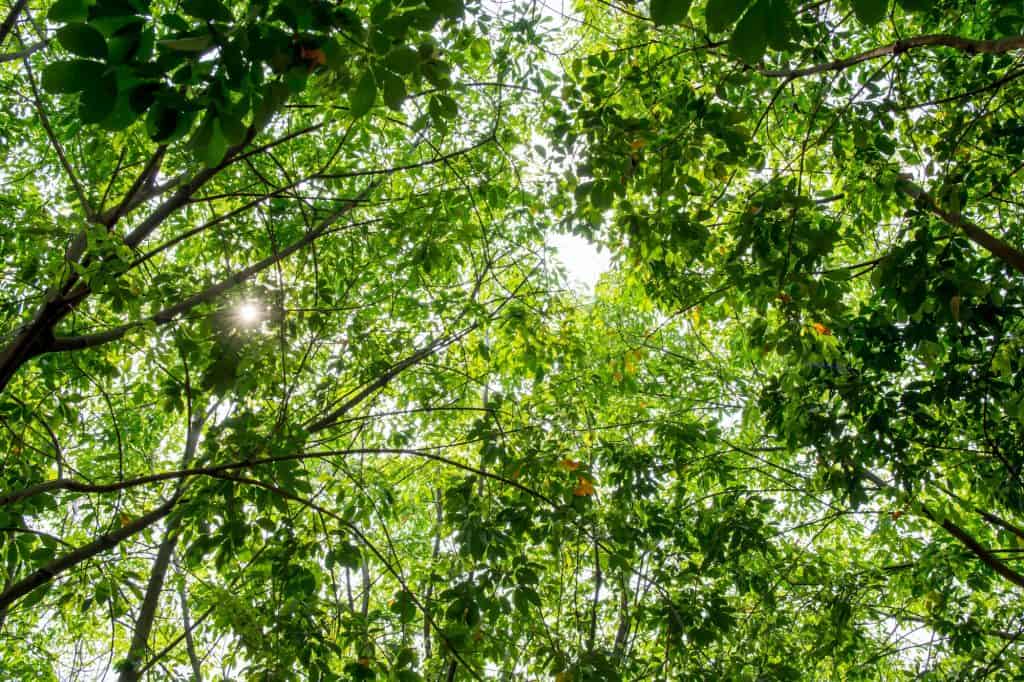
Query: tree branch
x=994 y=245
x=11 y=18
x=44 y=575
x=968 y=45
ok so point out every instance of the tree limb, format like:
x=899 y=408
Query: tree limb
x=44 y=575
x=968 y=45
x=994 y=245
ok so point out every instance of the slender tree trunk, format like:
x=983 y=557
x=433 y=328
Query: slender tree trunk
x=151 y=600
x=186 y=621
x=429 y=592
x=598 y=578
x=622 y=631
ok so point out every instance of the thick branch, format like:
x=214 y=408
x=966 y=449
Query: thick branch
x=385 y=378
x=101 y=544
x=968 y=45
x=994 y=245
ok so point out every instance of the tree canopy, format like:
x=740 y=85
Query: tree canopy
x=293 y=386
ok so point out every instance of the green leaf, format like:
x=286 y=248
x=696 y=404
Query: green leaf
x=72 y=76
x=443 y=106
x=915 y=5
x=721 y=14
x=233 y=128
x=779 y=23
x=83 y=40
x=99 y=99
x=211 y=10
x=870 y=11
x=394 y=90
x=363 y=96
x=669 y=12
x=402 y=60
x=404 y=607
x=749 y=39
x=193 y=44
x=452 y=9
x=67 y=11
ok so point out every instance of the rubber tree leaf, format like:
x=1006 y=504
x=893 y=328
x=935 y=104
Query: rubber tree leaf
x=65 y=11
x=402 y=59
x=212 y=10
x=193 y=44
x=98 y=99
x=451 y=9
x=394 y=91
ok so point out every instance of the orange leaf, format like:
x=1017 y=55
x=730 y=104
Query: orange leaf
x=822 y=329
x=638 y=143
x=569 y=464
x=584 y=488
x=316 y=56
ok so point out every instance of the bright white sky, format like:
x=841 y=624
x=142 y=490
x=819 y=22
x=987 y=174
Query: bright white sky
x=582 y=260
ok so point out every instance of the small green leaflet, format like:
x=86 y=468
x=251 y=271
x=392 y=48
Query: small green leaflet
x=669 y=12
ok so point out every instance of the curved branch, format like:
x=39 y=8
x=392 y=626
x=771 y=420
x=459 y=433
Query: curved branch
x=968 y=45
x=219 y=469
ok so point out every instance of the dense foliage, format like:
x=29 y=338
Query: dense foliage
x=291 y=386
